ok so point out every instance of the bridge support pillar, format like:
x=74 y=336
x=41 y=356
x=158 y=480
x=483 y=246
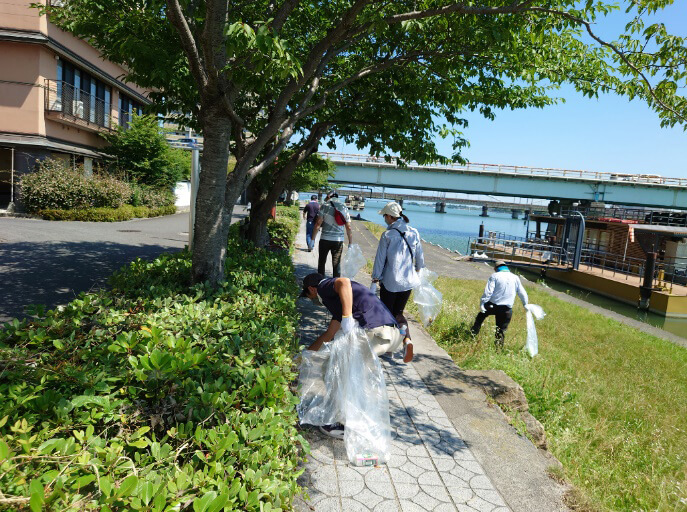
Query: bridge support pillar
x=515 y=213
x=485 y=211
x=440 y=207
x=400 y=201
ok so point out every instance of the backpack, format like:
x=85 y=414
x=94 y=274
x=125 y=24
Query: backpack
x=338 y=216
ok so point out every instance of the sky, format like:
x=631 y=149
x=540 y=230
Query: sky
x=608 y=134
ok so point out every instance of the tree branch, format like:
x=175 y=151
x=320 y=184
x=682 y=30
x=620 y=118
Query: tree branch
x=458 y=9
x=617 y=51
x=188 y=43
x=283 y=13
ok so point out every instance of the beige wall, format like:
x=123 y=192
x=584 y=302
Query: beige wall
x=21 y=104
x=18 y=15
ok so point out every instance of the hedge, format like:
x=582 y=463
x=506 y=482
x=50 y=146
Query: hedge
x=156 y=395
x=126 y=212
x=284 y=228
x=55 y=185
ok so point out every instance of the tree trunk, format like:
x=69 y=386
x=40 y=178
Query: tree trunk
x=212 y=221
x=260 y=209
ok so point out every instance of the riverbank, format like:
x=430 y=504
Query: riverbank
x=603 y=388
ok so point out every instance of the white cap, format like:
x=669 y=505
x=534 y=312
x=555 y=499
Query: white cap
x=393 y=208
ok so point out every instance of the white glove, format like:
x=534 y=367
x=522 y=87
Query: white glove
x=482 y=308
x=373 y=288
x=347 y=324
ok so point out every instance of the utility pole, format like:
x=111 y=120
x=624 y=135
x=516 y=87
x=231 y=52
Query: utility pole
x=195 y=176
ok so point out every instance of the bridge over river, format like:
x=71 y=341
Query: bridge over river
x=513 y=181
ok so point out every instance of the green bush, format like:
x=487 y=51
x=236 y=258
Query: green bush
x=152 y=197
x=141 y=152
x=156 y=395
x=284 y=228
x=126 y=212
x=56 y=185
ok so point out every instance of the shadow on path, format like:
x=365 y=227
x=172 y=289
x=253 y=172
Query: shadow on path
x=54 y=273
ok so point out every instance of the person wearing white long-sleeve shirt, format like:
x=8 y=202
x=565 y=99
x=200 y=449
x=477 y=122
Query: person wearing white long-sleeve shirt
x=498 y=298
x=399 y=258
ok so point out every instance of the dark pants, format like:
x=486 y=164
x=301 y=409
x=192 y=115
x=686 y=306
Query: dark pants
x=336 y=249
x=503 y=315
x=396 y=303
x=309 y=225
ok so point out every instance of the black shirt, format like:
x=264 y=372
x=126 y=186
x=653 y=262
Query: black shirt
x=368 y=310
x=312 y=209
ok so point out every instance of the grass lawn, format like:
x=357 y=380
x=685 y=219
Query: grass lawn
x=611 y=398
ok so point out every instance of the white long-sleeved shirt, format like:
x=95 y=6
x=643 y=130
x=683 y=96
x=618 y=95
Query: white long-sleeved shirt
x=501 y=289
x=394 y=265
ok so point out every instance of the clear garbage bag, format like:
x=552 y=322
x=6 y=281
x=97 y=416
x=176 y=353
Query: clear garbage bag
x=427 y=297
x=532 y=344
x=344 y=383
x=353 y=261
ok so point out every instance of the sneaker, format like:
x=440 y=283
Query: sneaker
x=407 y=350
x=336 y=431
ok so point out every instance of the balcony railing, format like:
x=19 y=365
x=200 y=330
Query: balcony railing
x=78 y=105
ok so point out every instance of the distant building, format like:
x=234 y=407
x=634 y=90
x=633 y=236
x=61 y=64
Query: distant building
x=57 y=94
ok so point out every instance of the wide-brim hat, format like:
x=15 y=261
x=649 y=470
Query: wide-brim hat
x=393 y=208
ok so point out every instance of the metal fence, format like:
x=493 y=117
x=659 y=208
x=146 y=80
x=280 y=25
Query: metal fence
x=77 y=104
x=669 y=274
x=636 y=215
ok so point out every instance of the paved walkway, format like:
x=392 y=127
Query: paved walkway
x=451 y=450
x=48 y=262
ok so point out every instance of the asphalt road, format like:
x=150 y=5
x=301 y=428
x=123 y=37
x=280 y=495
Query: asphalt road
x=44 y=262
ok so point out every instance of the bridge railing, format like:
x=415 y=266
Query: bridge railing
x=638 y=215
x=549 y=172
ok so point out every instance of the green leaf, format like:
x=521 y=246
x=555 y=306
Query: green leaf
x=202 y=504
x=147 y=490
x=58 y=344
x=106 y=485
x=218 y=503
x=37 y=492
x=128 y=486
x=4 y=450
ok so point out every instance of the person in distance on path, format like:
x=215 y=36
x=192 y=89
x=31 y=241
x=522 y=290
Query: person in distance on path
x=398 y=260
x=310 y=212
x=350 y=302
x=332 y=238
x=498 y=298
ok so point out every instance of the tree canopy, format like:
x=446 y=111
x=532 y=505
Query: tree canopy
x=260 y=77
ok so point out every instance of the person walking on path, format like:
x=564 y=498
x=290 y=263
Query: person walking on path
x=333 y=217
x=398 y=260
x=350 y=302
x=310 y=212
x=498 y=298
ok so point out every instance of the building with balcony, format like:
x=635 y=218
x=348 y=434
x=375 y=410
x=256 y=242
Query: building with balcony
x=57 y=95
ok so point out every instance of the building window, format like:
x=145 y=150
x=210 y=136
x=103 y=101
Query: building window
x=127 y=108
x=81 y=95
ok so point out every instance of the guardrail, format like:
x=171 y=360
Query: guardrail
x=545 y=172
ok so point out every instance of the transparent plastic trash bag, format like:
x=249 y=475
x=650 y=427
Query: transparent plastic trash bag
x=353 y=261
x=344 y=383
x=532 y=345
x=427 y=298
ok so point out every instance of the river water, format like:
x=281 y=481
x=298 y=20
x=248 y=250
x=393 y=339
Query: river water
x=452 y=230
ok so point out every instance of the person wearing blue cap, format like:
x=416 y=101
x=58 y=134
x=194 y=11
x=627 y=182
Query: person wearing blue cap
x=498 y=298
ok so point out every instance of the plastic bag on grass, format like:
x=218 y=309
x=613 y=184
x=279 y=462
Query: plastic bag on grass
x=532 y=344
x=427 y=298
x=350 y=390
x=353 y=261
